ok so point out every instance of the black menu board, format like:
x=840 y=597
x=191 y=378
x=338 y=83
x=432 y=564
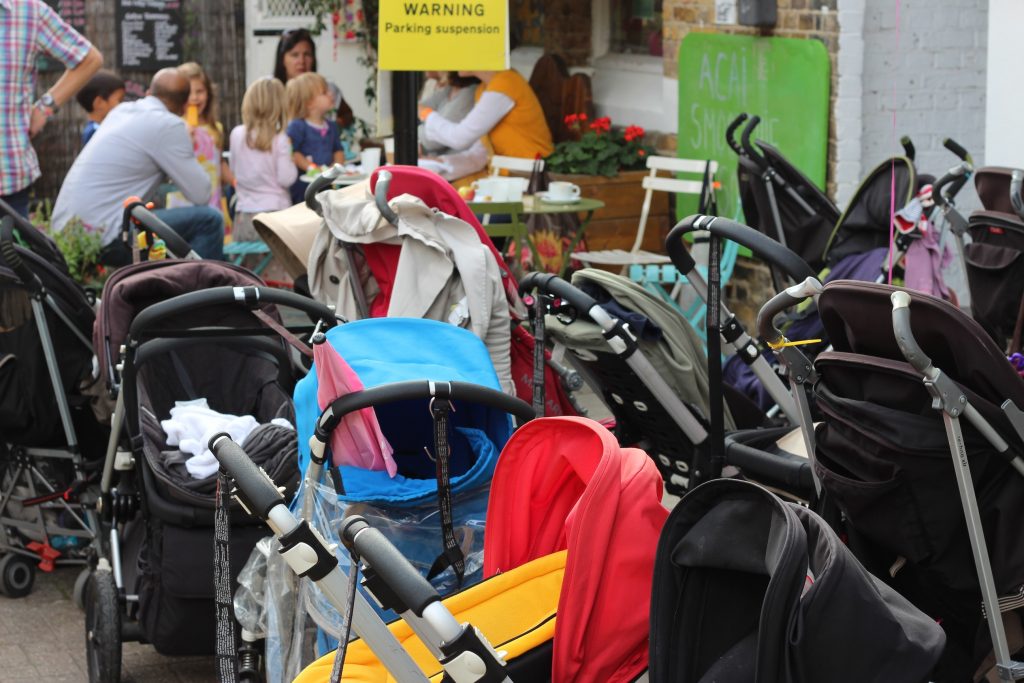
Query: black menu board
x=149 y=34
x=71 y=11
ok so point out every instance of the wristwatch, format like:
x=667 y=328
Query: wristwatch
x=47 y=105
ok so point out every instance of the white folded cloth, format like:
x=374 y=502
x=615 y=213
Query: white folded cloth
x=193 y=423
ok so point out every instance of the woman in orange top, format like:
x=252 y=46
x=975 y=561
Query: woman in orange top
x=507 y=119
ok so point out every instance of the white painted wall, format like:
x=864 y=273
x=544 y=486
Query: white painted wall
x=1004 y=141
x=931 y=70
x=848 y=111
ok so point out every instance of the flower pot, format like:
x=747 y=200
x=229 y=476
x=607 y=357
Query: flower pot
x=615 y=226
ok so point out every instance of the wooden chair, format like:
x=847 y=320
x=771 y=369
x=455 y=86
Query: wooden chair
x=653 y=183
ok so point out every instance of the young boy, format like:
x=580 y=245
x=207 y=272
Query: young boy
x=103 y=92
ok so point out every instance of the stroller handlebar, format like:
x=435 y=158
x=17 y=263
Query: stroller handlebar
x=256 y=489
x=901 y=328
x=748 y=147
x=908 y=147
x=763 y=246
x=955 y=177
x=730 y=133
x=176 y=244
x=318 y=184
x=390 y=566
x=957 y=149
x=556 y=286
x=13 y=259
x=418 y=389
x=251 y=297
x=791 y=296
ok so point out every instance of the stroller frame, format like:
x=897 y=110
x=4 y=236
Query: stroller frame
x=16 y=569
x=948 y=398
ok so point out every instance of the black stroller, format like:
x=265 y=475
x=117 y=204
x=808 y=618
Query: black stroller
x=749 y=588
x=994 y=263
x=777 y=198
x=169 y=331
x=48 y=431
x=895 y=470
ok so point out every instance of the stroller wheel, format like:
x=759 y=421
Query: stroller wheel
x=17 y=574
x=78 y=592
x=102 y=628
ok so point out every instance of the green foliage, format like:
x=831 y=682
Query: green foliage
x=600 y=149
x=79 y=245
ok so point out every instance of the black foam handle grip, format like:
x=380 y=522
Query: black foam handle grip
x=730 y=133
x=176 y=244
x=249 y=297
x=257 y=488
x=748 y=130
x=13 y=258
x=556 y=286
x=956 y=148
x=391 y=566
x=908 y=147
x=761 y=245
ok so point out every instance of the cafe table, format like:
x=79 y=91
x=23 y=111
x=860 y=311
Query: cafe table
x=533 y=206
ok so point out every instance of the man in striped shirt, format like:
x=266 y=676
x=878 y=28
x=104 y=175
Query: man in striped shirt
x=27 y=29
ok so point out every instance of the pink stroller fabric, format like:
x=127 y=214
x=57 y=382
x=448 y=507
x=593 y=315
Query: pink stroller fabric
x=564 y=482
x=357 y=440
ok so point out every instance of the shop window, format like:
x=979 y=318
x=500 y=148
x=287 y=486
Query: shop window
x=635 y=27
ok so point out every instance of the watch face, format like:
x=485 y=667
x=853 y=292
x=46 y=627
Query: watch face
x=47 y=100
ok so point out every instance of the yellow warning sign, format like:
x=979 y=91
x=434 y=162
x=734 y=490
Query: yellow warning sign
x=443 y=36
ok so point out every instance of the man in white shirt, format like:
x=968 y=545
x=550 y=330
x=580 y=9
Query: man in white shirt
x=138 y=146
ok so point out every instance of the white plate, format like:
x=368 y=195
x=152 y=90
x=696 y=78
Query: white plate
x=546 y=197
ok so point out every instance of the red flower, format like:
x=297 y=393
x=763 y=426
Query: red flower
x=571 y=119
x=582 y=117
x=634 y=132
x=641 y=152
x=601 y=125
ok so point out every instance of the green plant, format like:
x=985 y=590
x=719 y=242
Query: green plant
x=598 y=148
x=79 y=245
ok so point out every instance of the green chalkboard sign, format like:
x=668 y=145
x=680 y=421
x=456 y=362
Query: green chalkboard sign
x=785 y=81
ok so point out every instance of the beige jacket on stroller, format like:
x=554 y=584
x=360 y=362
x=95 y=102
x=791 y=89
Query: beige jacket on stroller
x=443 y=272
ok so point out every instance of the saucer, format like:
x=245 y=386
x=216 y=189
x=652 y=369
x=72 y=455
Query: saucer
x=546 y=197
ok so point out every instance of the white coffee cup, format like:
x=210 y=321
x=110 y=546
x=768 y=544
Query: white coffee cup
x=486 y=190
x=510 y=189
x=564 y=191
x=369 y=159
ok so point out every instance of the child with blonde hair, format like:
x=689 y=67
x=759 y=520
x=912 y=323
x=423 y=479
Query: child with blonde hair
x=261 y=156
x=207 y=136
x=315 y=138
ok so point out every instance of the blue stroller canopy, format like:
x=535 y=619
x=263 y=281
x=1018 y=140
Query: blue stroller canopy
x=387 y=350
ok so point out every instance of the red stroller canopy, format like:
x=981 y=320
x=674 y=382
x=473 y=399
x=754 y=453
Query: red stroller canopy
x=564 y=483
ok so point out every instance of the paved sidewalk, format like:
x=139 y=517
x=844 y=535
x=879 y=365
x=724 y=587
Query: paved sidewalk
x=42 y=638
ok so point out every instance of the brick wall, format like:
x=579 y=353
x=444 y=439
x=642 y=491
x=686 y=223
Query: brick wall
x=811 y=19
x=559 y=26
x=932 y=70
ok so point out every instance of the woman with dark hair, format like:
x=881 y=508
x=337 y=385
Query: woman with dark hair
x=296 y=55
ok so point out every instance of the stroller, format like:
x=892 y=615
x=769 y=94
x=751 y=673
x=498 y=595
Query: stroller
x=48 y=431
x=183 y=338
x=657 y=386
x=884 y=459
x=995 y=269
x=414 y=214
x=564 y=497
x=750 y=588
x=777 y=198
x=433 y=500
